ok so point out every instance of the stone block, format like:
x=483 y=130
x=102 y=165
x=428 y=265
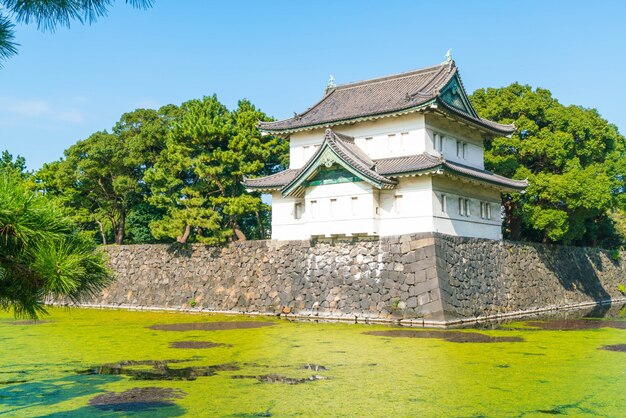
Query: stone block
x=422 y=264
x=409 y=278
x=423 y=299
x=411 y=302
x=420 y=276
x=431 y=273
x=420 y=243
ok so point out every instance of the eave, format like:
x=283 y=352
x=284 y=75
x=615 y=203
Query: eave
x=349 y=121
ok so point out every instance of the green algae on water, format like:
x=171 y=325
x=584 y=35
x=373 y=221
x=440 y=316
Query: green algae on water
x=298 y=368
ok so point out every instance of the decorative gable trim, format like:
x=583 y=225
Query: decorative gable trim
x=336 y=150
x=455 y=95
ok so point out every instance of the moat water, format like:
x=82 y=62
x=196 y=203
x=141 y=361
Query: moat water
x=82 y=362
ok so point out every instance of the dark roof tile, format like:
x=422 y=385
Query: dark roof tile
x=274 y=181
x=380 y=96
x=381 y=171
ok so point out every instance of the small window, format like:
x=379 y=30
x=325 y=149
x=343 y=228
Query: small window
x=333 y=207
x=462 y=150
x=397 y=203
x=464 y=207
x=305 y=152
x=485 y=210
x=297 y=211
x=313 y=204
x=369 y=142
x=354 y=205
x=438 y=140
x=444 y=203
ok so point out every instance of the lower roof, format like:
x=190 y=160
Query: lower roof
x=382 y=171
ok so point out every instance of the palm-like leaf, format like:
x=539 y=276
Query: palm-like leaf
x=48 y=14
x=41 y=253
x=8 y=48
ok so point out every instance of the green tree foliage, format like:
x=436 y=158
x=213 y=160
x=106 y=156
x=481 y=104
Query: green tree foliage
x=42 y=253
x=94 y=180
x=170 y=173
x=101 y=178
x=17 y=166
x=197 y=178
x=138 y=223
x=48 y=14
x=573 y=159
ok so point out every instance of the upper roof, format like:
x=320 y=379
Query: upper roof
x=380 y=173
x=439 y=86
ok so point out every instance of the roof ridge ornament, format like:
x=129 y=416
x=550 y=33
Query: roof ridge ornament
x=448 y=57
x=331 y=82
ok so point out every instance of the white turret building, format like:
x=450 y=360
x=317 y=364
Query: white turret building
x=393 y=155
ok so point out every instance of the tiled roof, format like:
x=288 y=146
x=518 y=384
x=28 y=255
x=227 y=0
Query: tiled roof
x=344 y=147
x=353 y=155
x=391 y=167
x=275 y=181
x=399 y=165
x=382 y=96
x=485 y=175
x=498 y=127
x=381 y=171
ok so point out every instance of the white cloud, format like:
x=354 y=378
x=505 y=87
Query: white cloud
x=40 y=109
x=28 y=108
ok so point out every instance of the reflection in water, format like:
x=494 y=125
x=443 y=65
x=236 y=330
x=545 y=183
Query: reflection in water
x=452 y=336
x=615 y=347
x=314 y=367
x=276 y=378
x=607 y=311
x=136 y=399
x=160 y=370
x=576 y=324
x=29 y=322
x=196 y=344
x=211 y=326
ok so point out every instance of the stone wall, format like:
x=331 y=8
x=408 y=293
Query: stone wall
x=421 y=278
x=485 y=278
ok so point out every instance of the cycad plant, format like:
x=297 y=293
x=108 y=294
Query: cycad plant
x=48 y=14
x=42 y=254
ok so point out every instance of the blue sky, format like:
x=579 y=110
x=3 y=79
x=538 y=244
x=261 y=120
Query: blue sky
x=63 y=86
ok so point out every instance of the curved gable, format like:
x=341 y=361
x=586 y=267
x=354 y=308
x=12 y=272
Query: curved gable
x=338 y=150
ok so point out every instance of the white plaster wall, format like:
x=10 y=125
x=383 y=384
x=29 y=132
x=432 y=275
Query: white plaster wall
x=451 y=133
x=410 y=213
x=352 y=212
x=408 y=137
x=284 y=225
x=419 y=209
x=452 y=222
x=380 y=213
